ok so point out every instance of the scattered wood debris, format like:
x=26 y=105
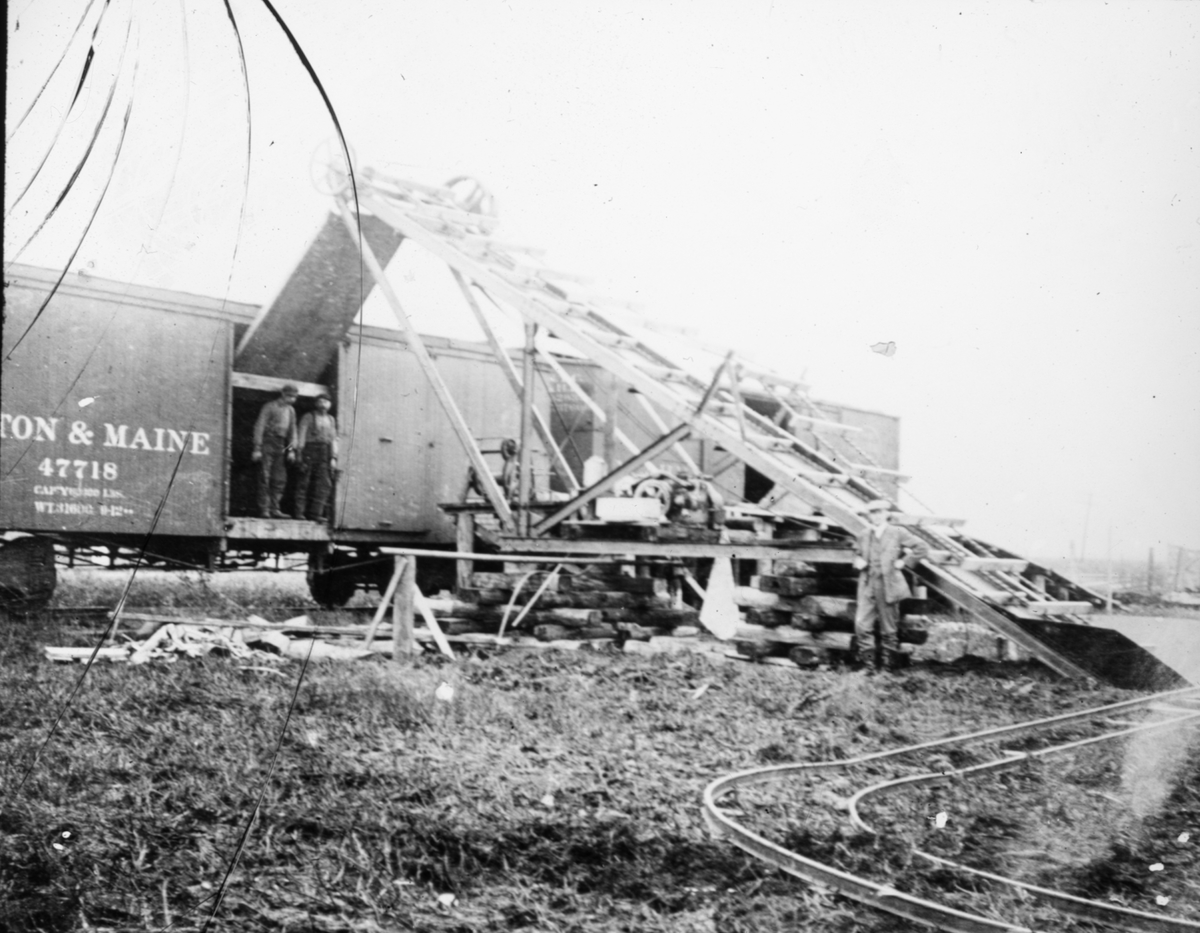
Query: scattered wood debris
x=173 y=640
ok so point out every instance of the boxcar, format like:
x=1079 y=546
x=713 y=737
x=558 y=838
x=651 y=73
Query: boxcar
x=125 y=435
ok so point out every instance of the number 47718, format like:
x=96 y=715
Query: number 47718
x=79 y=469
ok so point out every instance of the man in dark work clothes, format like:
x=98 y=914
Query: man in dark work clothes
x=882 y=552
x=274 y=449
x=317 y=446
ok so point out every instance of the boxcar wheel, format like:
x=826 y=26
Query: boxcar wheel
x=27 y=574
x=330 y=584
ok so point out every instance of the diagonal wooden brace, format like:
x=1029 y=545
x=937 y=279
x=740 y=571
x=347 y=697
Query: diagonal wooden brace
x=417 y=345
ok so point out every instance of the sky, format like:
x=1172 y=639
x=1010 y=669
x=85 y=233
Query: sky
x=1009 y=191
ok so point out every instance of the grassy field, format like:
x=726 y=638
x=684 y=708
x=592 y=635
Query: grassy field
x=552 y=791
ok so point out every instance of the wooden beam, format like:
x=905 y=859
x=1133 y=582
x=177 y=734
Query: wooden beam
x=599 y=413
x=957 y=592
x=388 y=594
x=712 y=386
x=667 y=374
x=506 y=556
x=494 y=496
x=464 y=540
x=404 y=185
x=272 y=384
x=868 y=468
x=560 y=548
x=653 y=415
x=817 y=423
x=598 y=488
x=423 y=210
x=739 y=407
x=920 y=521
x=245 y=528
x=402 y=609
x=558 y=461
x=991 y=564
x=431 y=623
x=524 y=461
x=1052 y=608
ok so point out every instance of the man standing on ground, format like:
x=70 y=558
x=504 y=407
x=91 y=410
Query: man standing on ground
x=274 y=449
x=317 y=445
x=883 y=552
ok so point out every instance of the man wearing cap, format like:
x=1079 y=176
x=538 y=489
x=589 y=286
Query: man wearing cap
x=882 y=552
x=274 y=449
x=317 y=445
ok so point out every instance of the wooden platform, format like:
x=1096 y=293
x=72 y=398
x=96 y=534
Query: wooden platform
x=812 y=553
x=275 y=529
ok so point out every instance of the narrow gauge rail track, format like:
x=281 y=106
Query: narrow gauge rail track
x=1181 y=707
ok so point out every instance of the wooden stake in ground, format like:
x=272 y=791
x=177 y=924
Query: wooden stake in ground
x=383 y=603
x=403 y=642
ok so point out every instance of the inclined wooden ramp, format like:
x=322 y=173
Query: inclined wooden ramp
x=1041 y=611
x=296 y=334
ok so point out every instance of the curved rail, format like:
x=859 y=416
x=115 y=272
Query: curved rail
x=939 y=916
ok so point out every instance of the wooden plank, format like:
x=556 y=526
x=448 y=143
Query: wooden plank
x=244 y=528
x=494 y=496
x=404 y=186
x=921 y=521
x=599 y=488
x=739 y=406
x=272 y=384
x=402 y=609
x=818 y=424
x=507 y=557
x=464 y=540
x=296 y=333
x=958 y=592
x=449 y=216
x=871 y=468
x=388 y=594
x=652 y=414
x=613 y=549
x=599 y=413
x=422 y=605
x=1053 y=608
x=524 y=453
x=991 y=564
x=500 y=247
x=667 y=373
x=711 y=390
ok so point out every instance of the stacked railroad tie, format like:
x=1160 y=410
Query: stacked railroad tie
x=585 y=606
x=806 y=615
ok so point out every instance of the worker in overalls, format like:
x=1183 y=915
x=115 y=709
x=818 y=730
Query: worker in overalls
x=317 y=445
x=274 y=449
x=882 y=552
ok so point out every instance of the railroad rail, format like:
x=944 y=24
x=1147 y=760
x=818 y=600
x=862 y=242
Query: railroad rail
x=1181 y=707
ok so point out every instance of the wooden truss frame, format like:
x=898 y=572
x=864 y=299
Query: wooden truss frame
x=831 y=486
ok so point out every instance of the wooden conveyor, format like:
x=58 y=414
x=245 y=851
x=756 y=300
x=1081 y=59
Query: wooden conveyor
x=1041 y=611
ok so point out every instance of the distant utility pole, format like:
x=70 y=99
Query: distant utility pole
x=1087 y=512
x=1108 y=571
x=1150 y=573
